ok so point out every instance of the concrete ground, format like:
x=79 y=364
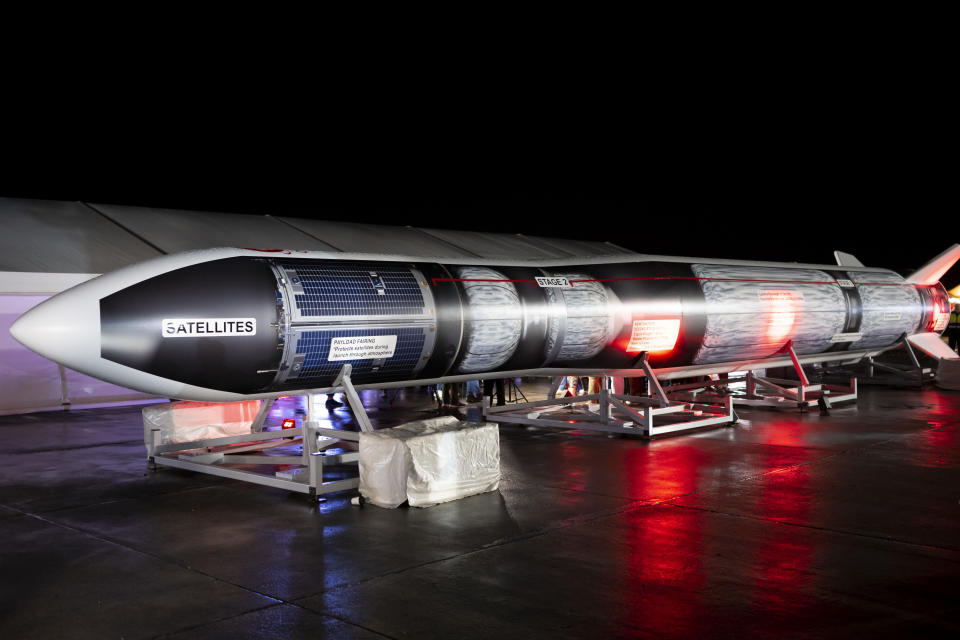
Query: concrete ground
x=787 y=525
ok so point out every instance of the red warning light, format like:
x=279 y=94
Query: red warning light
x=289 y=423
x=781 y=306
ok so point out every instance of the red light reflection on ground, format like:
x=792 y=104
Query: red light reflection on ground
x=940 y=444
x=782 y=566
x=663 y=544
x=574 y=462
x=784 y=433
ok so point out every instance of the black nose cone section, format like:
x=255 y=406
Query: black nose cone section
x=211 y=325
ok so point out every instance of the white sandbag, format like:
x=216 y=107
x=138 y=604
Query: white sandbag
x=189 y=421
x=429 y=461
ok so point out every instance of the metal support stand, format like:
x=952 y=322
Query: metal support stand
x=771 y=392
x=766 y=391
x=616 y=413
x=302 y=471
x=898 y=374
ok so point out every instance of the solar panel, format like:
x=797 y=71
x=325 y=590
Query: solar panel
x=313 y=349
x=328 y=290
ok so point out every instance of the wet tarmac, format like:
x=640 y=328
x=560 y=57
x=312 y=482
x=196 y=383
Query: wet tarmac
x=786 y=525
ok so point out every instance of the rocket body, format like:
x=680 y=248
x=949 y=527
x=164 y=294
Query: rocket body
x=229 y=324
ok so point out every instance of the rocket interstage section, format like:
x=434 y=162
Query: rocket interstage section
x=226 y=323
x=581 y=319
x=493 y=319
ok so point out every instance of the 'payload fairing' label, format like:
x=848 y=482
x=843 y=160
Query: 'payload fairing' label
x=559 y=283
x=207 y=327
x=362 y=348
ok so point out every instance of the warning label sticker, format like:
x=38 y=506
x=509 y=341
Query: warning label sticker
x=780 y=299
x=654 y=335
x=846 y=337
x=362 y=348
x=556 y=283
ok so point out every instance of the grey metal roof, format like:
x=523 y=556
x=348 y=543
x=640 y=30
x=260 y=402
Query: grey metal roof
x=45 y=236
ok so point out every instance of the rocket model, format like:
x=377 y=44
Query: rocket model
x=230 y=324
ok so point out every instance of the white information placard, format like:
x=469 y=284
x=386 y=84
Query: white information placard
x=846 y=337
x=362 y=348
x=654 y=335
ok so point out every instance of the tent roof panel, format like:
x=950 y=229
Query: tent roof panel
x=173 y=230
x=48 y=236
x=497 y=245
x=373 y=238
x=74 y=237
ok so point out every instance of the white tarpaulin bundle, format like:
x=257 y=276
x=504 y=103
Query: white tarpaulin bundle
x=429 y=461
x=189 y=421
x=948 y=374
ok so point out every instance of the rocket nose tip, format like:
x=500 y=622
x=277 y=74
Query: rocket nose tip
x=20 y=330
x=58 y=329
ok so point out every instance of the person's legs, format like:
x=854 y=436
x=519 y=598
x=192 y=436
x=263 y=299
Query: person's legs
x=473 y=390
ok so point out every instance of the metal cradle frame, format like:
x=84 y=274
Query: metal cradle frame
x=299 y=473
x=912 y=374
x=766 y=391
x=909 y=371
x=649 y=416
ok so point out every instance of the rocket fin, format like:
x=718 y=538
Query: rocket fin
x=846 y=259
x=932 y=345
x=931 y=272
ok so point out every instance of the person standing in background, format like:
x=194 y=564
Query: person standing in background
x=953 y=329
x=488 y=391
x=473 y=390
x=594 y=384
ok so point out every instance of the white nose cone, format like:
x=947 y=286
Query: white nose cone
x=65 y=329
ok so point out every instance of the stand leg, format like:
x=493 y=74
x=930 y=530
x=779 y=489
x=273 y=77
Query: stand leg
x=265 y=406
x=343 y=380
x=554 y=385
x=804 y=381
x=653 y=382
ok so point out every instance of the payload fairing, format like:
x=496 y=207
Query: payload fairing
x=229 y=324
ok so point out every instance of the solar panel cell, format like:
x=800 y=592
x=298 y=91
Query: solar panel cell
x=354 y=290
